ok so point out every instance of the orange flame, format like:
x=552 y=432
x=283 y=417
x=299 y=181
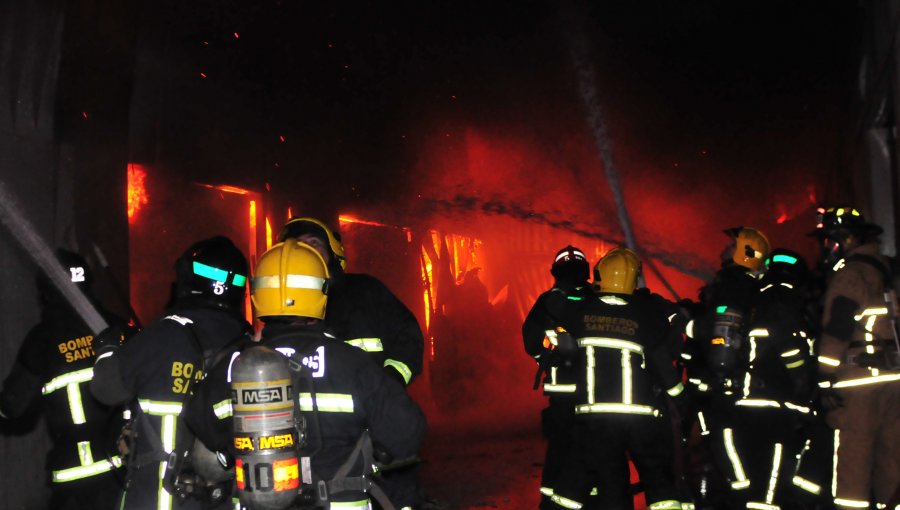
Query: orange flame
x=137 y=192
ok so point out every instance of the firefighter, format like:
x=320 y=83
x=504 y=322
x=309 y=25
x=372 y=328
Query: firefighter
x=859 y=367
x=345 y=395
x=773 y=388
x=715 y=338
x=364 y=313
x=52 y=370
x=157 y=369
x=570 y=271
x=624 y=371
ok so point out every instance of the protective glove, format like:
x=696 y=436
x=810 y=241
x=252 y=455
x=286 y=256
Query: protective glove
x=108 y=340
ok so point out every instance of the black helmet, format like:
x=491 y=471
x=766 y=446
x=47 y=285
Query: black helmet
x=212 y=272
x=832 y=219
x=570 y=265
x=297 y=227
x=785 y=266
x=78 y=272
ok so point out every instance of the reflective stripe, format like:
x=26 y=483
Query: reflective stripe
x=851 y=503
x=327 y=402
x=686 y=356
x=689 y=329
x=84 y=453
x=757 y=402
x=591 y=364
x=703 y=430
x=546 y=491
x=565 y=502
x=740 y=477
x=773 y=476
x=872 y=311
x=363 y=503
x=367 y=344
x=78 y=376
x=104 y=355
x=795 y=364
x=613 y=300
x=762 y=506
x=560 y=388
x=223 y=409
x=400 y=367
x=616 y=408
x=759 y=332
x=551 y=335
x=795 y=407
x=291 y=281
x=670 y=504
x=158 y=408
x=866 y=380
x=807 y=485
x=77 y=473
x=825 y=360
x=167 y=433
x=76 y=408
x=676 y=390
x=834 y=461
x=788 y=354
x=611 y=343
x=626 y=377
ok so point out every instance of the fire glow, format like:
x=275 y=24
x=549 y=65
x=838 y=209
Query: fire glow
x=137 y=192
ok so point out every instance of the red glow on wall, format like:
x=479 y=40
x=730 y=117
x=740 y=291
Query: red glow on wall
x=345 y=218
x=137 y=192
x=226 y=188
x=781 y=219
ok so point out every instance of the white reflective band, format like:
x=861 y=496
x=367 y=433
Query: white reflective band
x=565 y=502
x=75 y=406
x=825 y=360
x=362 y=504
x=773 y=476
x=676 y=390
x=291 y=281
x=759 y=332
x=702 y=421
x=762 y=506
x=327 y=402
x=795 y=407
x=767 y=287
x=752 y=349
x=871 y=311
x=551 y=335
x=672 y=317
x=168 y=432
x=104 y=355
x=223 y=409
x=687 y=505
x=400 y=367
x=807 y=485
x=795 y=364
x=613 y=300
x=686 y=356
x=84 y=453
x=824 y=384
x=594 y=491
x=626 y=377
x=851 y=503
x=866 y=380
x=77 y=473
x=560 y=388
x=743 y=484
x=184 y=321
x=739 y=475
x=546 y=491
x=757 y=402
x=670 y=504
x=158 y=408
x=616 y=408
x=76 y=377
x=611 y=343
x=367 y=344
x=689 y=329
x=591 y=363
x=577 y=253
x=792 y=352
x=838 y=265
x=788 y=285
x=834 y=461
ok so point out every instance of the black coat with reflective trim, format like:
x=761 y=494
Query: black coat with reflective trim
x=361 y=306
x=164 y=362
x=61 y=344
x=380 y=404
x=638 y=319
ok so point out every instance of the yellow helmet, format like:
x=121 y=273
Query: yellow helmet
x=751 y=247
x=291 y=280
x=617 y=271
x=296 y=227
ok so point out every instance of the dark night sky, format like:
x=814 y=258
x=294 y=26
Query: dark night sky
x=718 y=115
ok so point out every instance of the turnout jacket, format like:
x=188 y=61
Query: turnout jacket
x=53 y=368
x=155 y=371
x=539 y=336
x=364 y=313
x=352 y=394
x=624 y=361
x=856 y=324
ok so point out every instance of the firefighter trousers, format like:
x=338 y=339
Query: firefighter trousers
x=867 y=443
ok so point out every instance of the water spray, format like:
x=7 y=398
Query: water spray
x=24 y=232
